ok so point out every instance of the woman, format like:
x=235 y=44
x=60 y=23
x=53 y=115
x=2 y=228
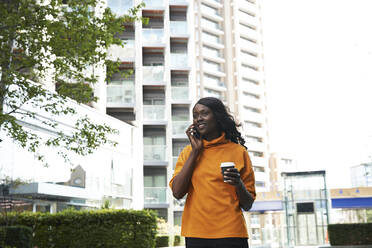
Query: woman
x=212 y=215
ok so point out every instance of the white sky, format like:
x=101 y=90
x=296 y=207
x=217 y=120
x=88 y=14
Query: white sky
x=318 y=65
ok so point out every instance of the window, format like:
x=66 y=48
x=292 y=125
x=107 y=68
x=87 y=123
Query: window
x=249 y=67
x=250 y=81
x=209 y=23
x=252 y=139
x=119 y=7
x=248 y=40
x=210 y=37
x=256 y=235
x=258 y=169
x=255 y=219
x=255 y=154
x=250 y=95
x=209 y=10
x=260 y=184
x=250 y=109
x=210 y=65
x=210 y=51
x=214 y=93
x=216 y=81
x=252 y=124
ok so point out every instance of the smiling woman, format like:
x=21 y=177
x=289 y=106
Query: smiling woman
x=212 y=215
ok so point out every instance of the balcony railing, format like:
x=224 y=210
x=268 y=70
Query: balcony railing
x=179 y=60
x=126 y=53
x=154 y=112
x=120 y=94
x=178 y=28
x=152 y=74
x=180 y=93
x=179 y=127
x=154 y=153
x=156 y=195
x=153 y=3
x=152 y=35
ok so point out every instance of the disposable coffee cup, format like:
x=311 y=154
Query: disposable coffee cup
x=226 y=165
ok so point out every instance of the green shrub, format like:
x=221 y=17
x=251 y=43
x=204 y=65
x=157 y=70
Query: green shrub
x=98 y=228
x=177 y=240
x=15 y=236
x=162 y=241
x=350 y=234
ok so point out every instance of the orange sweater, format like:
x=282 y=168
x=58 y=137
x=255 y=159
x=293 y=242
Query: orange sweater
x=212 y=206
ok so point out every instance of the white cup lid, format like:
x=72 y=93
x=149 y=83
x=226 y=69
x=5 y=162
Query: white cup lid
x=227 y=164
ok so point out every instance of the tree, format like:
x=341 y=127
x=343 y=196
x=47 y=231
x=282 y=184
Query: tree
x=58 y=42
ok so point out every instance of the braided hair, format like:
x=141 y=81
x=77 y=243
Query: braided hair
x=225 y=120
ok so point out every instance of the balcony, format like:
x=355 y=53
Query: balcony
x=153 y=75
x=254 y=47
x=121 y=94
x=154 y=4
x=253 y=102
x=252 y=116
x=179 y=127
x=250 y=60
x=154 y=113
x=178 y=28
x=179 y=60
x=180 y=93
x=154 y=153
x=251 y=7
x=126 y=53
x=250 y=87
x=156 y=195
x=251 y=74
x=248 y=32
x=153 y=36
x=248 y=18
x=256 y=146
x=254 y=131
x=259 y=161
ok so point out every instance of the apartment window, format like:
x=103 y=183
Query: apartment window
x=214 y=93
x=155 y=177
x=249 y=53
x=210 y=65
x=118 y=7
x=258 y=169
x=250 y=81
x=248 y=40
x=256 y=235
x=249 y=14
x=260 y=184
x=210 y=37
x=210 y=51
x=253 y=139
x=209 y=23
x=248 y=26
x=209 y=10
x=250 y=109
x=213 y=80
x=252 y=124
x=255 y=219
x=250 y=95
x=255 y=154
x=249 y=67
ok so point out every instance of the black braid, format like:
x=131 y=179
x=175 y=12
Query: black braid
x=225 y=120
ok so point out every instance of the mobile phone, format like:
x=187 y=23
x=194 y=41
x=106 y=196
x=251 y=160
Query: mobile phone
x=196 y=133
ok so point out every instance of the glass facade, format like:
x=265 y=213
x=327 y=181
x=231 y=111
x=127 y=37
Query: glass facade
x=306 y=207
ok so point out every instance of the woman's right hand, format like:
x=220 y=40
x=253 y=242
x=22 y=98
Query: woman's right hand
x=196 y=142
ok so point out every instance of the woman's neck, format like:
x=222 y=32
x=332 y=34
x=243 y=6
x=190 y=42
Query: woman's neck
x=212 y=136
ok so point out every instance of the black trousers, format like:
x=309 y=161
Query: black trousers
x=217 y=243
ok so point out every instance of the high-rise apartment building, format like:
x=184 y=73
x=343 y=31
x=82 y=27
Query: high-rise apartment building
x=188 y=49
x=229 y=65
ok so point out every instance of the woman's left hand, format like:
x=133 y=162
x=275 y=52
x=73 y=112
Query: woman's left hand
x=232 y=177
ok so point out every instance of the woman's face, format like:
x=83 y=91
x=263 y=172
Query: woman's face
x=205 y=122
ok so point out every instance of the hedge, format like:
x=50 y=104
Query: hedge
x=350 y=234
x=177 y=240
x=15 y=236
x=95 y=228
x=162 y=241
